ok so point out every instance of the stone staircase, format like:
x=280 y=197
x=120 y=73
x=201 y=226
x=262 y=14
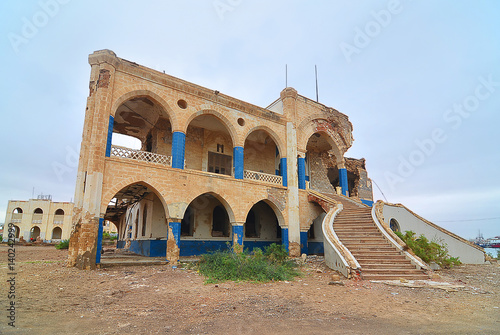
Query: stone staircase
x=378 y=258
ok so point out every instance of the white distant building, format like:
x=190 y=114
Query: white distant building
x=42 y=217
x=39 y=217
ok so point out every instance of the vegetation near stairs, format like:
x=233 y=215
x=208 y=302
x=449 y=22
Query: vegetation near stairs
x=64 y=244
x=428 y=251
x=259 y=266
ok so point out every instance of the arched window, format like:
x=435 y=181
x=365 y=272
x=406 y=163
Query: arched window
x=38 y=211
x=394 y=224
x=59 y=212
x=17 y=231
x=220 y=222
x=17 y=211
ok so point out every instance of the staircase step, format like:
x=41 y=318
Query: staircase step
x=378 y=258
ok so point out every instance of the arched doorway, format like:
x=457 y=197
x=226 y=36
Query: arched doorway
x=34 y=233
x=261 y=227
x=209 y=145
x=206 y=225
x=56 y=233
x=321 y=163
x=261 y=153
x=140 y=126
x=140 y=218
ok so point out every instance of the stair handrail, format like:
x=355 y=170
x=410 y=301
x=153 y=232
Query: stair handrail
x=394 y=239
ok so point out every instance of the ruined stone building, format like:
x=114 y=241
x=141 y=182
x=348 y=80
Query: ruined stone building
x=215 y=171
x=41 y=217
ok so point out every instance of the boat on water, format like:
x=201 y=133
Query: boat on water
x=493 y=242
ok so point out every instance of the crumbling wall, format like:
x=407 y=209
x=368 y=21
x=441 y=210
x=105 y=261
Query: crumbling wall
x=318 y=164
x=363 y=185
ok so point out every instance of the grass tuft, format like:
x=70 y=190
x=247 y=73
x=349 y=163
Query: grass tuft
x=258 y=266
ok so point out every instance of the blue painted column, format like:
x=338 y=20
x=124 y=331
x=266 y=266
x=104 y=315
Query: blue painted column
x=343 y=181
x=238 y=162
x=303 y=243
x=99 y=241
x=284 y=238
x=176 y=231
x=301 y=162
x=178 y=149
x=283 y=172
x=237 y=237
x=110 y=135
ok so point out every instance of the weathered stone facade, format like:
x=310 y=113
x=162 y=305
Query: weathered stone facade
x=212 y=169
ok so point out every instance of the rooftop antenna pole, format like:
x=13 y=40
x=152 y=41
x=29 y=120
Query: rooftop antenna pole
x=316 y=72
x=33 y=194
x=286 y=75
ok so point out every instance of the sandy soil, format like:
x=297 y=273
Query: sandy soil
x=53 y=299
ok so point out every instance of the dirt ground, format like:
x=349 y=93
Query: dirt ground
x=53 y=299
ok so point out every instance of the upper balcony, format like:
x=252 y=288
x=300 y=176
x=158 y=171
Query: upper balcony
x=210 y=143
x=164 y=160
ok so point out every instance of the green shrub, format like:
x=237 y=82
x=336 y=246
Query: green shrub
x=64 y=244
x=429 y=251
x=108 y=236
x=259 y=266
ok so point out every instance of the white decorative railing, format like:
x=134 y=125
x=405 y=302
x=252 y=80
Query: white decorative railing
x=58 y=222
x=15 y=220
x=117 y=151
x=260 y=176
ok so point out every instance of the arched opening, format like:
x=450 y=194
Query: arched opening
x=321 y=163
x=261 y=226
x=141 y=124
x=17 y=231
x=315 y=237
x=140 y=218
x=59 y=212
x=17 y=210
x=38 y=211
x=261 y=153
x=56 y=233
x=209 y=146
x=206 y=225
x=34 y=233
x=220 y=222
x=187 y=222
x=394 y=225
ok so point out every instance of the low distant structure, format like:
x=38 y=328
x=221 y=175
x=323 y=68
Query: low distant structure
x=39 y=218
x=42 y=219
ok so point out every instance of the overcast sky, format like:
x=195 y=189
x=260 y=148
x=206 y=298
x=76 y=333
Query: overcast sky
x=419 y=80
